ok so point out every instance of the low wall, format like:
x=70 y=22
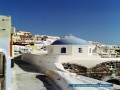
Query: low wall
x=62 y=79
x=42 y=61
x=55 y=71
x=83 y=61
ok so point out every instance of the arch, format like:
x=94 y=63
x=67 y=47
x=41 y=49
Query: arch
x=80 y=50
x=2 y=61
x=3 y=71
x=63 y=50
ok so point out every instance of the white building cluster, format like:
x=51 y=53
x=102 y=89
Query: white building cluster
x=26 y=42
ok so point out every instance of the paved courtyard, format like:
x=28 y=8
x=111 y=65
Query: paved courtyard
x=26 y=77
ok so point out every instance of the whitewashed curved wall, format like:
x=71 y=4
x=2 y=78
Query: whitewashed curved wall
x=48 y=64
x=44 y=62
x=62 y=79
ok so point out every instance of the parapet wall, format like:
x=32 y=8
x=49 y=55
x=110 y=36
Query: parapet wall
x=55 y=71
x=62 y=79
x=42 y=61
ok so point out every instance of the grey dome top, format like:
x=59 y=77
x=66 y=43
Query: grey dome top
x=70 y=41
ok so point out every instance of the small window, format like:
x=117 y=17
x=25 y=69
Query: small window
x=63 y=50
x=80 y=50
x=3 y=19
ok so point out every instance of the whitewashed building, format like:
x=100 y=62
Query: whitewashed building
x=5 y=52
x=70 y=49
x=71 y=46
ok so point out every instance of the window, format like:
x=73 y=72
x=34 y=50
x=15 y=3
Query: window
x=80 y=50
x=3 y=19
x=63 y=50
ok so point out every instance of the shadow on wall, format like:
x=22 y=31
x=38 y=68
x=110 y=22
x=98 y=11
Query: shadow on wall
x=47 y=82
x=24 y=65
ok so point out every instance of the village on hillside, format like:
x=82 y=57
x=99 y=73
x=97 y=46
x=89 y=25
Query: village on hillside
x=25 y=42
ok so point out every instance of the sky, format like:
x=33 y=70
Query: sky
x=94 y=20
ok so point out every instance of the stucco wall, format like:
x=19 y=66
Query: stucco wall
x=48 y=61
x=70 y=49
x=5 y=26
x=62 y=79
x=56 y=49
x=44 y=62
x=48 y=64
x=5 y=30
x=8 y=72
x=87 y=61
x=76 y=50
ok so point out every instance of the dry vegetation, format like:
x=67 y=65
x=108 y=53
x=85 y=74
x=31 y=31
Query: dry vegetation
x=96 y=72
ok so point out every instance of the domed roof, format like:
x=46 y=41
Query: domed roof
x=70 y=41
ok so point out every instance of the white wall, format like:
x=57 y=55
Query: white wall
x=8 y=72
x=48 y=64
x=44 y=62
x=62 y=79
x=70 y=50
x=48 y=61
x=76 y=51
x=87 y=61
x=57 y=49
x=5 y=34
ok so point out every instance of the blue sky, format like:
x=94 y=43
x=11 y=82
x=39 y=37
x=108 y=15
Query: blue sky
x=96 y=20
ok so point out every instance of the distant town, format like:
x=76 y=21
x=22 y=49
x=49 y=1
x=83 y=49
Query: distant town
x=24 y=41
